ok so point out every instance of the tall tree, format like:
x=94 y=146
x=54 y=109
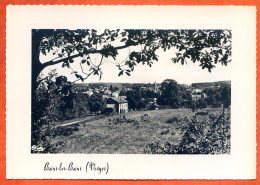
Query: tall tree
x=226 y=95
x=171 y=94
x=207 y=47
x=134 y=98
x=96 y=103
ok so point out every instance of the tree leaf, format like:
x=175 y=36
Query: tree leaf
x=182 y=61
x=128 y=73
x=179 y=59
x=96 y=72
x=178 y=54
x=174 y=60
x=121 y=73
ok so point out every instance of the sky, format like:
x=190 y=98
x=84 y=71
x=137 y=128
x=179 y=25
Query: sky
x=162 y=69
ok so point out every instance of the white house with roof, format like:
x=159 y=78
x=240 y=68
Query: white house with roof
x=119 y=103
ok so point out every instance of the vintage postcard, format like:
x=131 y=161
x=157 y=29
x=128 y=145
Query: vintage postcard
x=131 y=92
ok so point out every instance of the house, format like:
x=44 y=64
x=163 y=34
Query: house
x=89 y=92
x=107 y=92
x=105 y=97
x=152 y=104
x=196 y=91
x=120 y=104
x=115 y=94
x=198 y=96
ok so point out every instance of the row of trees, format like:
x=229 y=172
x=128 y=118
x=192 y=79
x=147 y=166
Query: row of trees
x=54 y=100
x=174 y=95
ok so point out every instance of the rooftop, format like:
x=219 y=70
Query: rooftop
x=121 y=99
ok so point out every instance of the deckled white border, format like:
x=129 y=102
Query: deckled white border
x=241 y=164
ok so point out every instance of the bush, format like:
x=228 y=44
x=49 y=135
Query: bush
x=210 y=135
x=76 y=128
x=216 y=105
x=172 y=120
x=59 y=131
x=202 y=113
x=54 y=148
x=110 y=111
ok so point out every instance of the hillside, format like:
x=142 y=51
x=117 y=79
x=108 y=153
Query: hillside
x=138 y=135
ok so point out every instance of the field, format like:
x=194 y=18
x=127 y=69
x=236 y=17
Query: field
x=131 y=135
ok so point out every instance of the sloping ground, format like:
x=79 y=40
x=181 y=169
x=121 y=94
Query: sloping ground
x=106 y=136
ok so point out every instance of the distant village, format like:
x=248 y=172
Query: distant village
x=114 y=94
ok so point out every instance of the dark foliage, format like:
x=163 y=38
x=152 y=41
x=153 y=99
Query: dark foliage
x=96 y=103
x=174 y=119
x=53 y=102
x=170 y=94
x=173 y=95
x=205 y=135
x=216 y=97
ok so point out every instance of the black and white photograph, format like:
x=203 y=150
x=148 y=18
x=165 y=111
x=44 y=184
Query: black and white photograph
x=131 y=91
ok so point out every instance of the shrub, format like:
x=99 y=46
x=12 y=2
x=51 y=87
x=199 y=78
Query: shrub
x=210 y=135
x=202 y=113
x=76 y=128
x=54 y=148
x=174 y=119
x=124 y=120
x=110 y=111
x=58 y=131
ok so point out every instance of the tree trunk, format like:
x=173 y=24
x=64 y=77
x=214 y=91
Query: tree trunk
x=37 y=66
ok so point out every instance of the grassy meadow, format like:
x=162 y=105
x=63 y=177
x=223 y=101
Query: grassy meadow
x=107 y=136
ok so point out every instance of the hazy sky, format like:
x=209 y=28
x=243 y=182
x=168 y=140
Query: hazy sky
x=160 y=70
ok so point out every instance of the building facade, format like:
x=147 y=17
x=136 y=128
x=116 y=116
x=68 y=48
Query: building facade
x=120 y=103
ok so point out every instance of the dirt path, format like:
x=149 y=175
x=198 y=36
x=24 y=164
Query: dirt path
x=70 y=123
x=74 y=122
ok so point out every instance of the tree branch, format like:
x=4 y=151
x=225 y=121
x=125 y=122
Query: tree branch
x=88 y=74
x=101 y=60
x=85 y=77
x=51 y=62
x=82 y=69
